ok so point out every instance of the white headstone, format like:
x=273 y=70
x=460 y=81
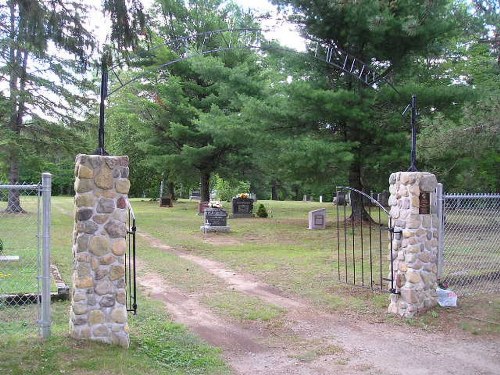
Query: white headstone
x=317 y=219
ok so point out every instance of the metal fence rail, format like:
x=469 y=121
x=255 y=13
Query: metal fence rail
x=471 y=262
x=25 y=258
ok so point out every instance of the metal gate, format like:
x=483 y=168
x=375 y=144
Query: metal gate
x=364 y=246
x=130 y=274
x=25 y=280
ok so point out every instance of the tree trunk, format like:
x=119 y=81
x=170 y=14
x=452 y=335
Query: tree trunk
x=13 y=200
x=274 y=191
x=296 y=190
x=359 y=213
x=18 y=59
x=205 y=186
x=171 y=190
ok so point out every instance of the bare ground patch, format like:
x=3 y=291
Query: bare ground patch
x=306 y=340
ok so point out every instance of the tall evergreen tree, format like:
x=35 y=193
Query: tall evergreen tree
x=43 y=44
x=388 y=34
x=188 y=118
x=44 y=49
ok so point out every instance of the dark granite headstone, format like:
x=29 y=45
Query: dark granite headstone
x=340 y=199
x=242 y=207
x=215 y=217
x=215 y=220
x=166 y=202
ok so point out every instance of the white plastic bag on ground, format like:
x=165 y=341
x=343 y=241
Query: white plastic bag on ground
x=446 y=297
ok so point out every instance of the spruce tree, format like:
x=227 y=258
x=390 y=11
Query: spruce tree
x=390 y=35
x=45 y=48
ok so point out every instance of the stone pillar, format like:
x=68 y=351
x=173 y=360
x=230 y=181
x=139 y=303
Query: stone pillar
x=98 y=307
x=415 y=247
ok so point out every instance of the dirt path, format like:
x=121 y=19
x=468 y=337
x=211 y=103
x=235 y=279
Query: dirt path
x=310 y=341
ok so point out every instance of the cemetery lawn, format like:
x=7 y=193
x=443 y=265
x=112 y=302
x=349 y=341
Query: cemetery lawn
x=158 y=346
x=174 y=254
x=283 y=253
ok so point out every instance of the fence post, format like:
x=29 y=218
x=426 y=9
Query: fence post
x=45 y=319
x=440 y=213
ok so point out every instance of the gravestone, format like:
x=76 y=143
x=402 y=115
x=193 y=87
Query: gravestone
x=166 y=202
x=242 y=207
x=340 y=199
x=195 y=195
x=215 y=220
x=317 y=219
x=202 y=206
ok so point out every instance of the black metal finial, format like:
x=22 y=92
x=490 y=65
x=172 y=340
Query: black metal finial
x=413 y=122
x=104 y=94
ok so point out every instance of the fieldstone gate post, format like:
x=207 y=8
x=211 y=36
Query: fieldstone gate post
x=415 y=244
x=98 y=307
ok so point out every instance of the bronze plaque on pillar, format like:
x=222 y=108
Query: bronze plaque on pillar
x=425 y=203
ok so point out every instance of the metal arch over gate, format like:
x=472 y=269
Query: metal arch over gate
x=230 y=39
x=364 y=250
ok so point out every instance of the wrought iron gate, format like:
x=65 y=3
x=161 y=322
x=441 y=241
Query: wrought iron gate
x=364 y=244
x=130 y=274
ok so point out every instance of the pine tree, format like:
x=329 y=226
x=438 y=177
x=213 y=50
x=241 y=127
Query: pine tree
x=44 y=49
x=388 y=34
x=43 y=45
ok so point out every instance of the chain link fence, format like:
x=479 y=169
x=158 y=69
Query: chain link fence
x=24 y=237
x=471 y=261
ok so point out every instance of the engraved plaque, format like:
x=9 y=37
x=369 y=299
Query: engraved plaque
x=425 y=203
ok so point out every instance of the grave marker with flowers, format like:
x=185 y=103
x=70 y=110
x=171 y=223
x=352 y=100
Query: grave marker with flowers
x=242 y=206
x=215 y=218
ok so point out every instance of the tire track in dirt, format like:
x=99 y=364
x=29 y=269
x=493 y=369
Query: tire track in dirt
x=311 y=341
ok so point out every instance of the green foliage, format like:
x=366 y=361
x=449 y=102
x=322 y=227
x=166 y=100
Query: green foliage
x=261 y=211
x=465 y=153
x=128 y=22
x=188 y=125
x=227 y=189
x=287 y=123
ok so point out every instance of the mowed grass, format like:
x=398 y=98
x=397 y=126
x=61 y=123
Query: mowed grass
x=158 y=346
x=280 y=251
x=19 y=235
